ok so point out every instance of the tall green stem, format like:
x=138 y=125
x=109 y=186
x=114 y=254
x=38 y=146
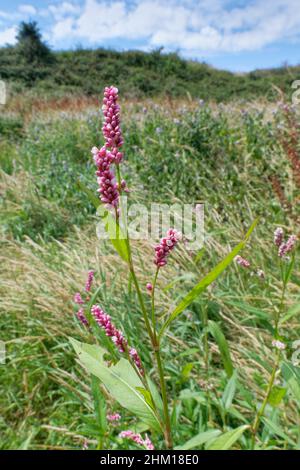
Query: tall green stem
x=156 y=345
x=151 y=332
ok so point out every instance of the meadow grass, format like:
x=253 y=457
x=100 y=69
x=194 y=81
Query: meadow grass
x=225 y=156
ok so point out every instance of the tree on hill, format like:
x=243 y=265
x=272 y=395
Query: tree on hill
x=31 y=47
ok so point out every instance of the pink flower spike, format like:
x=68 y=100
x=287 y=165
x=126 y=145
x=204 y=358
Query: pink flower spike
x=242 y=261
x=89 y=281
x=137 y=438
x=149 y=286
x=166 y=245
x=113 y=417
x=278 y=236
x=78 y=299
x=81 y=317
x=287 y=247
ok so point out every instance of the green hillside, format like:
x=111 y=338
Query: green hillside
x=139 y=74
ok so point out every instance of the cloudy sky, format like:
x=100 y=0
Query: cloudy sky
x=237 y=35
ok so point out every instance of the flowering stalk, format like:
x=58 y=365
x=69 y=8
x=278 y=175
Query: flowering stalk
x=283 y=249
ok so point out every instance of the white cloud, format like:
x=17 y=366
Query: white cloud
x=194 y=27
x=7 y=36
x=27 y=9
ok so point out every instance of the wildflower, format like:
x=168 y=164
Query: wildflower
x=242 y=261
x=278 y=236
x=137 y=438
x=278 y=344
x=136 y=359
x=149 y=286
x=78 y=299
x=113 y=417
x=112 y=126
x=287 y=247
x=166 y=245
x=116 y=335
x=105 y=177
x=89 y=281
x=81 y=317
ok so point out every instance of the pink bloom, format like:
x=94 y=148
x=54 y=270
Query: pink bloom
x=287 y=247
x=78 y=299
x=149 y=286
x=89 y=281
x=116 y=335
x=105 y=177
x=165 y=246
x=136 y=359
x=137 y=438
x=242 y=261
x=112 y=126
x=113 y=417
x=81 y=317
x=278 y=236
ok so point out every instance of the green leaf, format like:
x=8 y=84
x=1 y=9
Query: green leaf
x=186 y=371
x=115 y=233
x=226 y=440
x=120 y=380
x=207 y=280
x=200 y=439
x=276 y=396
x=291 y=375
x=99 y=406
x=275 y=429
x=229 y=391
x=220 y=339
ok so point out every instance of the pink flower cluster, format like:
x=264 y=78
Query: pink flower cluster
x=116 y=335
x=112 y=127
x=113 y=417
x=79 y=300
x=284 y=247
x=108 y=190
x=242 y=261
x=137 y=438
x=81 y=317
x=110 y=152
x=278 y=236
x=89 y=281
x=165 y=246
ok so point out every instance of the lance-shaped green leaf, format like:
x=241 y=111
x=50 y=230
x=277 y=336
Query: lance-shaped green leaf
x=220 y=339
x=115 y=233
x=226 y=440
x=207 y=280
x=200 y=439
x=120 y=380
x=291 y=375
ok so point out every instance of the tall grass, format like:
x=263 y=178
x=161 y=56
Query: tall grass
x=220 y=156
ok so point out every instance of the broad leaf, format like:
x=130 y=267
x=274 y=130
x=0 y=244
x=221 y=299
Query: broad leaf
x=120 y=380
x=115 y=233
x=207 y=280
x=200 y=439
x=226 y=440
x=291 y=375
x=276 y=396
x=220 y=339
x=229 y=391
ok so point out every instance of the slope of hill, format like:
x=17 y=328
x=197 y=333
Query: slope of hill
x=141 y=74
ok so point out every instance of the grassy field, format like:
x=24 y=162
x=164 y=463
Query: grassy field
x=241 y=160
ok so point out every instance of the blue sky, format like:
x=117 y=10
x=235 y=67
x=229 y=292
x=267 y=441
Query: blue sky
x=238 y=35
